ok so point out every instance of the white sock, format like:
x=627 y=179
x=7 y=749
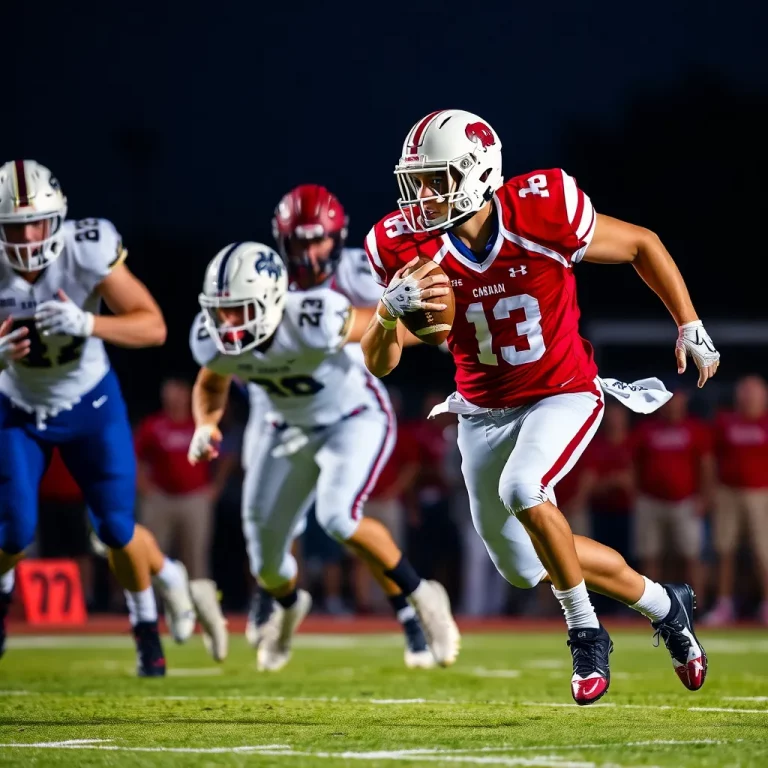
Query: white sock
x=577 y=607
x=141 y=606
x=654 y=603
x=170 y=575
x=7 y=581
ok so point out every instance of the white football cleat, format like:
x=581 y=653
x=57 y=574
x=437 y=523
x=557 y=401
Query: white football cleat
x=179 y=611
x=275 y=636
x=430 y=600
x=419 y=659
x=206 y=601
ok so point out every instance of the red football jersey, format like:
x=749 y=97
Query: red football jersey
x=515 y=337
x=668 y=457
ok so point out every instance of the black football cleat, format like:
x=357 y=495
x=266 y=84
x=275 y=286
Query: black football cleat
x=150 y=659
x=676 y=630
x=590 y=649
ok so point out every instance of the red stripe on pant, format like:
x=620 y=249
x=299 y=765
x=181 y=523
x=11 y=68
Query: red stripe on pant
x=379 y=461
x=577 y=440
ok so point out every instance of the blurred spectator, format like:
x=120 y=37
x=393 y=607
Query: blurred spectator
x=741 y=447
x=177 y=499
x=609 y=456
x=433 y=537
x=385 y=505
x=674 y=477
x=64 y=529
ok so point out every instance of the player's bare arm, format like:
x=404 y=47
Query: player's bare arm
x=137 y=321
x=618 y=242
x=209 y=400
x=383 y=340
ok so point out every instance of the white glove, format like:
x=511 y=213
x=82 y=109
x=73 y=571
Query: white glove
x=8 y=352
x=63 y=316
x=204 y=444
x=402 y=295
x=693 y=340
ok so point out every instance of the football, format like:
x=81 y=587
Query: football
x=430 y=326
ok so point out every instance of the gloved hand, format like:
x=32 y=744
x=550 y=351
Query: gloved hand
x=63 y=316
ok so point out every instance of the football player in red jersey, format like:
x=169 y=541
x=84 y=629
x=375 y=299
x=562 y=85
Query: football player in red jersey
x=528 y=393
x=310 y=230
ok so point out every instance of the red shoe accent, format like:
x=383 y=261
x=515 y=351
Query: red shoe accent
x=590 y=690
x=693 y=674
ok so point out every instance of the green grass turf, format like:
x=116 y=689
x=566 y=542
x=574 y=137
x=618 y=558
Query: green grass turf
x=347 y=700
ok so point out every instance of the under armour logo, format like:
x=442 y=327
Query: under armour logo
x=521 y=270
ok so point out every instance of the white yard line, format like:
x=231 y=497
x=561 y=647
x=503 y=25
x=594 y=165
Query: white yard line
x=483 y=672
x=477 y=756
x=418 y=701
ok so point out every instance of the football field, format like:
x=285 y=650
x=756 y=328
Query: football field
x=347 y=700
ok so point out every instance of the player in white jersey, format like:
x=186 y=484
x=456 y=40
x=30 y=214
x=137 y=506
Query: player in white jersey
x=310 y=230
x=57 y=389
x=291 y=343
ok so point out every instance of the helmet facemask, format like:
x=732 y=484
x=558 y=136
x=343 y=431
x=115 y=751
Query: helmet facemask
x=465 y=177
x=36 y=255
x=305 y=272
x=234 y=338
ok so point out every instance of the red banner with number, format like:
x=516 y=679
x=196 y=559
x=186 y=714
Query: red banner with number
x=51 y=591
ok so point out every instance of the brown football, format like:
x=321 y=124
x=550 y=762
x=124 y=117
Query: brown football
x=430 y=326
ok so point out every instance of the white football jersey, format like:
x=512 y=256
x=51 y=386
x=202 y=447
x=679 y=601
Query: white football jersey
x=354 y=279
x=308 y=378
x=59 y=370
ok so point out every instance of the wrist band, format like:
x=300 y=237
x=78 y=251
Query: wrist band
x=390 y=325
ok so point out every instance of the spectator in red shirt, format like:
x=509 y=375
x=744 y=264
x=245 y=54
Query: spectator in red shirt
x=741 y=450
x=610 y=458
x=674 y=477
x=177 y=499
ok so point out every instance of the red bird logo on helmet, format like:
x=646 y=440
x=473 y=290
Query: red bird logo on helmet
x=480 y=132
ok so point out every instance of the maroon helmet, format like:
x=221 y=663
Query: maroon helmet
x=310 y=228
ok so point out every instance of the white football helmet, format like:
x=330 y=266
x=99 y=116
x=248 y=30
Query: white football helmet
x=467 y=149
x=29 y=193
x=247 y=276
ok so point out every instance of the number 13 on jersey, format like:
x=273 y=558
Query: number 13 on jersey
x=527 y=322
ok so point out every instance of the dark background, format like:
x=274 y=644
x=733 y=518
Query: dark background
x=185 y=124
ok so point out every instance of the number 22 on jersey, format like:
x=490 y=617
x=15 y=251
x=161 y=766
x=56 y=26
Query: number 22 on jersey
x=524 y=311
